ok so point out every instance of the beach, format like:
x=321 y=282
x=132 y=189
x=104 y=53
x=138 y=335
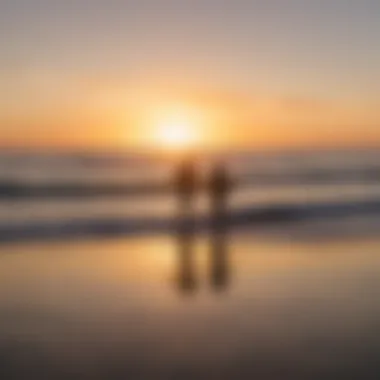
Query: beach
x=116 y=308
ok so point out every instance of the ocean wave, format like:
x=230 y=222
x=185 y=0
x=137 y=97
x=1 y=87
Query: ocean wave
x=280 y=215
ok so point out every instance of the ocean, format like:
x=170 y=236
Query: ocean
x=53 y=189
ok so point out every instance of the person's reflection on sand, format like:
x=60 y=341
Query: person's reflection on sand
x=186 y=279
x=219 y=261
x=219 y=188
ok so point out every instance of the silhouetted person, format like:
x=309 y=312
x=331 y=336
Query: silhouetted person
x=219 y=188
x=186 y=183
x=186 y=186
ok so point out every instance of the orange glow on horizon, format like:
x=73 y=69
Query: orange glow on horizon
x=176 y=119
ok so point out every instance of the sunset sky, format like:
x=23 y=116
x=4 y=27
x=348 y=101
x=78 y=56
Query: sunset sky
x=116 y=73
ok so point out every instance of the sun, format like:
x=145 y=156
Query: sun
x=178 y=130
x=176 y=135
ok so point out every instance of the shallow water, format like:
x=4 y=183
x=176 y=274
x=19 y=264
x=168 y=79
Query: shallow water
x=242 y=306
x=351 y=176
x=14 y=212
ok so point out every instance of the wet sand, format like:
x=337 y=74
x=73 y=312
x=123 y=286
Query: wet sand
x=167 y=307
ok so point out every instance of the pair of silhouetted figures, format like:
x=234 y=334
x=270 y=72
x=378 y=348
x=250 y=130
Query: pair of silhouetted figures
x=218 y=186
